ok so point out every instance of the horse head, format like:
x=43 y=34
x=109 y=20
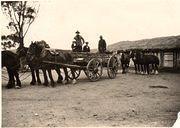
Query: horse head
x=36 y=50
x=32 y=52
x=132 y=54
x=137 y=55
x=22 y=51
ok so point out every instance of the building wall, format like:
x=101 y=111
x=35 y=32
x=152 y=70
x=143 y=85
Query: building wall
x=169 y=59
x=178 y=59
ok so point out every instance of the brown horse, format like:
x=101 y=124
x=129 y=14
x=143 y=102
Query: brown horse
x=142 y=62
x=11 y=61
x=125 y=60
x=37 y=54
x=22 y=52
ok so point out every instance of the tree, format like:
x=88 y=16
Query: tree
x=9 y=41
x=21 y=15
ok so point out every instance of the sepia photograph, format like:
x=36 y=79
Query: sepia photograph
x=90 y=63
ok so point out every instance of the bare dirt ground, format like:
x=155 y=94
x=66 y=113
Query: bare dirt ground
x=128 y=100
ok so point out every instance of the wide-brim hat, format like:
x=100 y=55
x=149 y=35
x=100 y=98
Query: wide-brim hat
x=77 y=32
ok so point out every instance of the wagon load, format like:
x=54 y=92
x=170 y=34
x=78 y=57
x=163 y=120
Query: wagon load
x=91 y=63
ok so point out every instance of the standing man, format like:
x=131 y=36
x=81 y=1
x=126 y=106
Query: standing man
x=79 y=41
x=102 y=45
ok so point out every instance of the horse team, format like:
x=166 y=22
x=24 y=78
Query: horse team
x=39 y=51
x=143 y=63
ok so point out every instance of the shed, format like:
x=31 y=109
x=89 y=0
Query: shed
x=166 y=48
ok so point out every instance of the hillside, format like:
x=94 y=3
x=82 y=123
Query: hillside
x=154 y=43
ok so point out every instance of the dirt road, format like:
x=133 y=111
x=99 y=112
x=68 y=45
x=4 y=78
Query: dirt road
x=128 y=100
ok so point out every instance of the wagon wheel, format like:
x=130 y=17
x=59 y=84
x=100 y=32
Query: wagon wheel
x=77 y=73
x=94 y=69
x=112 y=67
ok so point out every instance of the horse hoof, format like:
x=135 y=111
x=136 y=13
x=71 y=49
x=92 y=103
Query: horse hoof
x=45 y=84
x=152 y=72
x=39 y=82
x=59 y=81
x=156 y=73
x=9 y=87
x=17 y=87
x=74 y=81
x=52 y=84
x=65 y=82
x=32 y=83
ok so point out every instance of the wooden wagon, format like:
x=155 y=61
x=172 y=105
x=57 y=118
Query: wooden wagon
x=92 y=64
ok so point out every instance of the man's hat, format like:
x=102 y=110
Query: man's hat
x=100 y=36
x=77 y=32
x=87 y=42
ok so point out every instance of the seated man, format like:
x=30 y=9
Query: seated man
x=86 y=48
x=73 y=46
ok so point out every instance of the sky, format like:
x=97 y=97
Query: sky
x=115 y=20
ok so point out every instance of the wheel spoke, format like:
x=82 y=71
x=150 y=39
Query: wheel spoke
x=98 y=74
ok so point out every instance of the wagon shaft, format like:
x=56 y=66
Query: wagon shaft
x=65 y=65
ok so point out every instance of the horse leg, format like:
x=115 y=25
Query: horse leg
x=127 y=67
x=37 y=76
x=11 y=82
x=45 y=77
x=123 y=69
x=60 y=78
x=51 y=78
x=153 y=69
x=156 y=69
x=66 y=75
x=135 y=67
x=10 y=77
x=147 y=67
x=142 y=69
x=138 y=68
x=33 y=81
x=16 y=74
x=73 y=74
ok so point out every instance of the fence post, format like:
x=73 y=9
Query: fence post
x=161 y=58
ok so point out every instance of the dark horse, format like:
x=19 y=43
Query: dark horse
x=37 y=54
x=22 y=53
x=142 y=62
x=125 y=60
x=11 y=61
x=138 y=61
